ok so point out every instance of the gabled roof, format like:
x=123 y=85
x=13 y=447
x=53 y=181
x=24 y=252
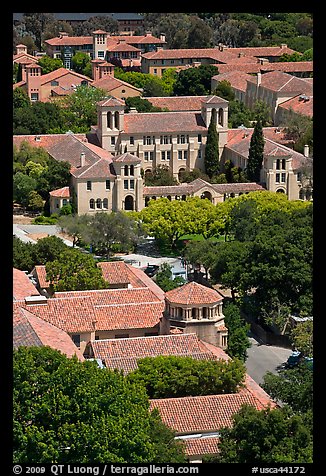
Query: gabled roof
x=214 y=100
x=285 y=83
x=193 y=293
x=59 y=73
x=30 y=330
x=111 y=101
x=154 y=122
x=191 y=415
x=61 y=192
x=237 y=79
x=109 y=83
x=177 y=103
x=122 y=46
x=22 y=285
x=127 y=158
x=123 y=354
x=299 y=106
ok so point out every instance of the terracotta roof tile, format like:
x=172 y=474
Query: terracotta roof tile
x=124 y=353
x=114 y=272
x=22 y=285
x=263 y=51
x=109 y=83
x=237 y=79
x=28 y=329
x=61 y=192
x=193 y=293
x=283 y=82
x=205 y=445
x=111 y=101
x=161 y=122
x=126 y=158
x=70 y=41
x=202 y=414
x=299 y=106
x=177 y=103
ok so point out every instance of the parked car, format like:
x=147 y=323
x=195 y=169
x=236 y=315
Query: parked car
x=297 y=358
x=151 y=270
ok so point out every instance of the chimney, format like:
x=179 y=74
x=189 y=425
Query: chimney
x=306 y=150
x=148 y=33
x=241 y=54
x=82 y=159
x=258 y=78
x=162 y=36
x=62 y=34
x=283 y=46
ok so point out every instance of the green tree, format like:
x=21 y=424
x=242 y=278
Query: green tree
x=66 y=411
x=302 y=337
x=174 y=376
x=256 y=151
x=160 y=176
x=81 y=106
x=49 y=64
x=23 y=256
x=36 y=24
x=239 y=114
x=22 y=186
x=190 y=175
x=201 y=253
x=195 y=81
x=164 y=279
x=48 y=249
x=262 y=111
x=224 y=90
x=20 y=98
x=74 y=225
x=211 y=158
x=267 y=436
x=74 y=271
x=238 y=341
x=141 y=104
x=291 y=386
x=79 y=61
x=35 y=201
x=200 y=34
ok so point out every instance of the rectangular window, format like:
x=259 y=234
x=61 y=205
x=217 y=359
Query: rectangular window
x=64 y=202
x=151 y=156
x=199 y=156
x=199 y=137
x=132 y=184
x=34 y=96
x=76 y=339
x=146 y=155
x=155 y=71
x=144 y=140
x=180 y=154
x=185 y=154
x=277 y=178
x=126 y=184
x=100 y=54
x=168 y=155
x=283 y=164
x=283 y=177
x=112 y=140
x=148 y=140
x=107 y=185
x=299 y=176
x=163 y=155
x=89 y=185
x=132 y=140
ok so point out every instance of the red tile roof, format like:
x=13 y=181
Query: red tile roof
x=121 y=46
x=111 y=101
x=61 y=192
x=202 y=414
x=263 y=51
x=109 y=83
x=114 y=272
x=22 y=285
x=237 y=79
x=126 y=158
x=30 y=330
x=124 y=353
x=40 y=274
x=178 y=103
x=204 y=445
x=70 y=41
x=193 y=293
x=285 y=83
x=299 y=106
x=161 y=122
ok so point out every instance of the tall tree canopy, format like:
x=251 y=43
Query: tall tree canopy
x=212 y=156
x=67 y=411
x=256 y=151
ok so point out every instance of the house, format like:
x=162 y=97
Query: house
x=46 y=87
x=103 y=77
x=221 y=55
x=275 y=88
x=196 y=420
x=31 y=330
x=104 y=46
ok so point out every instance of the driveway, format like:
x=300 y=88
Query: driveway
x=263 y=358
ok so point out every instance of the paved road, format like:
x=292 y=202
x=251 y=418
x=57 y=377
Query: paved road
x=263 y=358
x=22 y=232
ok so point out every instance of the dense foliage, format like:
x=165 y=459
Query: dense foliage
x=267 y=436
x=175 y=376
x=66 y=411
x=238 y=341
x=256 y=153
x=212 y=156
x=27 y=255
x=164 y=280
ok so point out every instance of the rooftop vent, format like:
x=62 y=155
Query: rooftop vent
x=37 y=299
x=304 y=98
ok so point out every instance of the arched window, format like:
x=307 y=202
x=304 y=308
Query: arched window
x=194 y=313
x=180 y=173
x=180 y=311
x=126 y=172
x=129 y=203
x=214 y=115
x=131 y=170
x=116 y=120
x=278 y=166
x=220 y=116
x=92 y=204
x=280 y=190
x=283 y=164
x=109 y=120
x=98 y=203
x=105 y=203
x=205 y=313
x=207 y=195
